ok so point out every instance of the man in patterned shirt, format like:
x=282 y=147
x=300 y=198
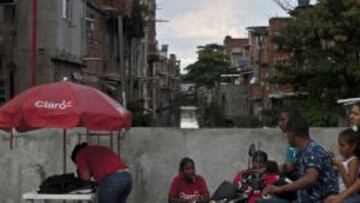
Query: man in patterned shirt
x=318 y=178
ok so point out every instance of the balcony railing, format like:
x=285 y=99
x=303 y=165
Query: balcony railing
x=115 y=6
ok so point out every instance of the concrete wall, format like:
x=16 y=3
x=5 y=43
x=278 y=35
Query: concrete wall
x=57 y=38
x=153 y=155
x=233 y=100
x=69 y=32
x=60 y=41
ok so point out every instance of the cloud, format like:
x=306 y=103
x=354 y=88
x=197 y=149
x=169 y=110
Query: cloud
x=211 y=19
x=199 y=22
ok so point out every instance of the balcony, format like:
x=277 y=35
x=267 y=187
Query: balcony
x=116 y=7
x=7 y=2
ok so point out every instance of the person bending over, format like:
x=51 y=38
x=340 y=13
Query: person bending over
x=108 y=170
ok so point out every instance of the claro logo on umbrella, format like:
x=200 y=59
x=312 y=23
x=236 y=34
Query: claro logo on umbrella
x=53 y=105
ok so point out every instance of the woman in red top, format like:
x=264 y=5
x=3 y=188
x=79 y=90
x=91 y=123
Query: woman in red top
x=188 y=187
x=107 y=168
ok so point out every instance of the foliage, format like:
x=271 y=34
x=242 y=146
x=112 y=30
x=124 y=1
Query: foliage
x=139 y=118
x=213 y=116
x=211 y=63
x=324 y=44
x=317 y=114
x=270 y=117
x=135 y=23
x=247 y=122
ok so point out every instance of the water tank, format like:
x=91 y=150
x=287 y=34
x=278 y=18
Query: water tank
x=303 y=2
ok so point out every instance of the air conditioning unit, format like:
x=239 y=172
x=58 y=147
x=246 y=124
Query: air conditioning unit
x=7 y=2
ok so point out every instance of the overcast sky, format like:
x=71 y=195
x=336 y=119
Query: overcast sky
x=198 y=22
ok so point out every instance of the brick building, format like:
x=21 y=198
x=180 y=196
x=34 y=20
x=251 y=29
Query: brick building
x=248 y=92
x=107 y=44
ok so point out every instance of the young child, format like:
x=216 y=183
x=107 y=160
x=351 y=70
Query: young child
x=259 y=164
x=348 y=167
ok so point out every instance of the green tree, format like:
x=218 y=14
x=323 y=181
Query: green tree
x=139 y=118
x=206 y=73
x=211 y=63
x=324 y=44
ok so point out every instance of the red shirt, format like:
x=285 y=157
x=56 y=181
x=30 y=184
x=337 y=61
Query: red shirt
x=180 y=189
x=98 y=161
x=269 y=179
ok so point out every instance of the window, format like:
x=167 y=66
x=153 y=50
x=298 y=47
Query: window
x=111 y=36
x=9 y=13
x=12 y=84
x=90 y=28
x=2 y=85
x=236 y=58
x=66 y=9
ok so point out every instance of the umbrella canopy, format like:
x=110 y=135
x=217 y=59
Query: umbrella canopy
x=63 y=105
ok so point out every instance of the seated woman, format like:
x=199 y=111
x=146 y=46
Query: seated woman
x=187 y=187
x=260 y=164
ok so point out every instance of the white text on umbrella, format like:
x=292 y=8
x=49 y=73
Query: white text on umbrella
x=53 y=105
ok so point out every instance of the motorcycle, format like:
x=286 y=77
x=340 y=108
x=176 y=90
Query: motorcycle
x=227 y=192
x=251 y=185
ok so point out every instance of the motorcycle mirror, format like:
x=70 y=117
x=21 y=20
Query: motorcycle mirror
x=252 y=150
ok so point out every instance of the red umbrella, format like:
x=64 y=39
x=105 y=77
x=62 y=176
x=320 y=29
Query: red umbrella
x=63 y=105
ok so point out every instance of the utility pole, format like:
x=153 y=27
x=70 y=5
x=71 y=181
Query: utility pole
x=260 y=33
x=33 y=42
x=121 y=47
x=260 y=44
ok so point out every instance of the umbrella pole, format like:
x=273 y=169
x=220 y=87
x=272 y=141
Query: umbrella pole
x=11 y=139
x=111 y=140
x=87 y=136
x=64 y=150
x=118 y=142
x=121 y=135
